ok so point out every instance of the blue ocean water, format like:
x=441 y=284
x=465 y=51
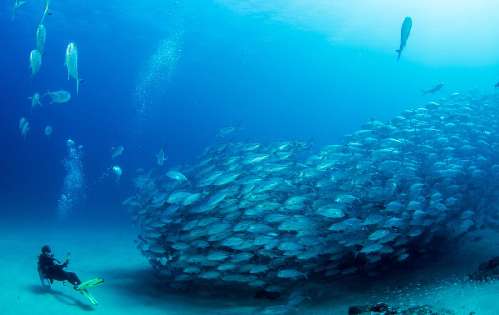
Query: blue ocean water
x=170 y=74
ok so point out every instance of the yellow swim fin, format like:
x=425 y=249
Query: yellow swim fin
x=89 y=296
x=90 y=283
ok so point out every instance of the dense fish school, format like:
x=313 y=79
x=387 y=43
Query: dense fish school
x=270 y=216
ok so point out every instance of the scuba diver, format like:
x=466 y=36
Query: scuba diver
x=50 y=269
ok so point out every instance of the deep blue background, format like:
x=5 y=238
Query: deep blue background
x=276 y=80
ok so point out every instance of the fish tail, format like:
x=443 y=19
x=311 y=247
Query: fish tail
x=45 y=12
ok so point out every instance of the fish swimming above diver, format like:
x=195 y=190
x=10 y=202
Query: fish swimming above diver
x=24 y=127
x=46 y=12
x=161 y=158
x=227 y=131
x=35 y=100
x=48 y=131
x=117 y=151
x=72 y=64
x=117 y=171
x=17 y=4
x=58 y=97
x=404 y=35
x=35 y=61
x=41 y=37
x=434 y=89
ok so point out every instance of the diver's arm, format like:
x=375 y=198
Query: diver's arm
x=62 y=265
x=66 y=261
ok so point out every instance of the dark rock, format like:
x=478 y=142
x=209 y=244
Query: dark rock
x=358 y=310
x=488 y=270
x=384 y=309
x=425 y=310
x=380 y=308
x=262 y=294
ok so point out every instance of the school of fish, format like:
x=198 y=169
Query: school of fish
x=269 y=216
x=35 y=63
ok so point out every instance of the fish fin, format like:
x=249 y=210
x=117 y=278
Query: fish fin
x=399 y=53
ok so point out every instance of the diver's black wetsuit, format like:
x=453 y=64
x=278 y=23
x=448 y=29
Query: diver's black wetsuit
x=51 y=269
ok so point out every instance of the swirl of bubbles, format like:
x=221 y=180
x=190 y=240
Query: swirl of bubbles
x=158 y=70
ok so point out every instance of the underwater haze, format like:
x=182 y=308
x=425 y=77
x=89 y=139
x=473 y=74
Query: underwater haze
x=133 y=127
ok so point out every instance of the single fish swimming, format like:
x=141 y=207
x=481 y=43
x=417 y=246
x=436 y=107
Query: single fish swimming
x=434 y=89
x=160 y=158
x=41 y=37
x=35 y=61
x=497 y=85
x=48 y=130
x=404 y=35
x=72 y=64
x=176 y=175
x=17 y=5
x=58 y=97
x=117 y=151
x=45 y=11
x=117 y=171
x=228 y=131
x=35 y=100
x=24 y=127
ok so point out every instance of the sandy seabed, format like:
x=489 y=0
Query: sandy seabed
x=131 y=288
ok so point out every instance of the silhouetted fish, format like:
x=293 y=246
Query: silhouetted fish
x=434 y=89
x=404 y=35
